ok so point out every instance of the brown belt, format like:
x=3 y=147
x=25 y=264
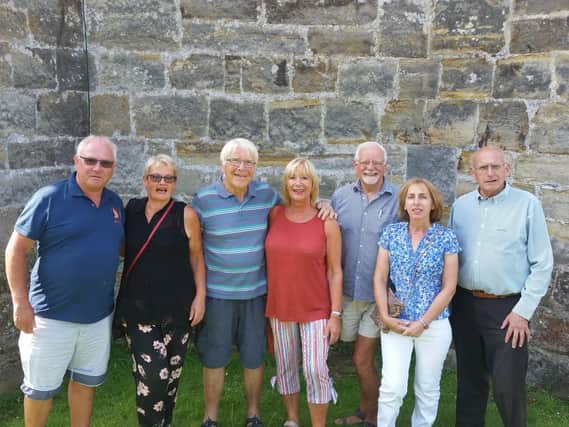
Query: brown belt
x=486 y=295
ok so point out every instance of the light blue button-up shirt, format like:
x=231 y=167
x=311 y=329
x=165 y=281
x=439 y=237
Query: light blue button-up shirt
x=505 y=246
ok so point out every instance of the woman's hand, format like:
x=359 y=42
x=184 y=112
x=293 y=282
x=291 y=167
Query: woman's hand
x=333 y=328
x=197 y=310
x=412 y=329
x=394 y=324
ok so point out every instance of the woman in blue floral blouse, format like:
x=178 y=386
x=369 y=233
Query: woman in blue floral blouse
x=420 y=256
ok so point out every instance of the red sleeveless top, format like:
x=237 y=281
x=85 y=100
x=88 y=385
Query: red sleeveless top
x=297 y=285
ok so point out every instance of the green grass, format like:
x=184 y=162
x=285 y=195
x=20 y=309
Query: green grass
x=115 y=399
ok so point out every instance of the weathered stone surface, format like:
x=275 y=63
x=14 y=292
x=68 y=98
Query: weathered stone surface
x=130 y=72
x=451 y=122
x=556 y=204
x=17 y=113
x=418 y=78
x=559 y=234
x=466 y=78
x=197 y=72
x=562 y=75
x=110 y=115
x=232 y=80
x=539 y=35
x=57 y=23
x=402 y=29
x=5 y=67
x=550 y=133
x=243 y=40
x=34 y=69
x=13 y=24
x=558 y=295
x=316 y=12
x=523 y=77
x=542 y=168
x=3 y=154
x=9 y=356
x=348 y=43
x=551 y=333
x=531 y=7
x=264 y=75
x=191 y=180
x=170 y=116
x=127 y=178
x=295 y=125
x=367 y=77
x=503 y=124
x=316 y=74
x=403 y=122
x=36 y=154
x=243 y=10
x=25 y=182
x=151 y=28
x=472 y=26
x=63 y=114
x=437 y=164
x=350 y=122
x=72 y=69
x=231 y=119
x=549 y=371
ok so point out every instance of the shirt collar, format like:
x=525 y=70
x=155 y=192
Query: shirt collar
x=222 y=191
x=497 y=197
x=387 y=187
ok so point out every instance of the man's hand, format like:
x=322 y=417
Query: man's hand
x=325 y=210
x=518 y=329
x=197 y=310
x=24 y=318
x=333 y=328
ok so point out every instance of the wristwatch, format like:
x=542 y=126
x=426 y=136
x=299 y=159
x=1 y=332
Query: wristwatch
x=337 y=314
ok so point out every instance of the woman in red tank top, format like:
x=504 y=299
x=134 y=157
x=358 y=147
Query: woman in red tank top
x=304 y=299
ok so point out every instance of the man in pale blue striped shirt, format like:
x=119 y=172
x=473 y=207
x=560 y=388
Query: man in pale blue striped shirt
x=505 y=269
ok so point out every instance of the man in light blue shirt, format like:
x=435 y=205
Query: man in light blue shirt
x=364 y=208
x=505 y=269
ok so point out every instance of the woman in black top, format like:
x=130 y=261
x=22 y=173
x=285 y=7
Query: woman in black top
x=162 y=292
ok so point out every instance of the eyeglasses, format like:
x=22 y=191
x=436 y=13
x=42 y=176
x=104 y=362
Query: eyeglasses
x=247 y=164
x=490 y=168
x=89 y=161
x=168 y=179
x=366 y=163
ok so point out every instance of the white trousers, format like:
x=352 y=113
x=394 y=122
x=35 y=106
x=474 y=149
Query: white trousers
x=431 y=349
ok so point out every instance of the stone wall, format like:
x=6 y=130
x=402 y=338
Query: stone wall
x=431 y=79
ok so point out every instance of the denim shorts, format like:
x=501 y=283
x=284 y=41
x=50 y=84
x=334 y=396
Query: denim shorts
x=228 y=322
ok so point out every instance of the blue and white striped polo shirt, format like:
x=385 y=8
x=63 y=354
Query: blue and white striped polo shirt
x=233 y=235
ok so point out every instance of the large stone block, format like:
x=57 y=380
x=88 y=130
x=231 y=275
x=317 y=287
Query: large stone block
x=466 y=78
x=551 y=332
x=127 y=179
x=232 y=119
x=57 y=23
x=559 y=234
x=110 y=115
x=437 y=164
x=243 y=10
x=556 y=204
x=451 y=122
x=130 y=72
x=73 y=70
x=17 y=113
x=197 y=72
x=542 y=168
x=348 y=43
x=350 y=122
x=5 y=66
x=170 y=116
x=13 y=24
x=264 y=75
x=25 y=182
x=523 y=77
x=232 y=78
x=64 y=113
x=549 y=370
x=539 y=35
x=562 y=74
x=58 y=152
x=503 y=124
x=295 y=125
x=316 y=74
x=369 y=77
x=244 y=40
x=418 y=78
x=403 y=122
x=316 y=12
x=532 y=7
x=550 y=131
x=402 y=29
x=34 y=69
x=473 y=26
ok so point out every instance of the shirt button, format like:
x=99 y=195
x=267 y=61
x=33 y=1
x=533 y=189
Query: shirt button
x=359 y=262
x=365 y=213
x=361 y=246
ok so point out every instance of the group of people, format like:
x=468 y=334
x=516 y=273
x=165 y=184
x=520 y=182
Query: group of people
x=242 y=254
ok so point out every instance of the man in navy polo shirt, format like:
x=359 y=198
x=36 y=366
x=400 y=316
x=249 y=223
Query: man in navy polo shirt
x=65 y=314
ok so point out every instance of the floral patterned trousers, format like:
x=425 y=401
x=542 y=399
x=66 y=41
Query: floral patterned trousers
x=158 y=355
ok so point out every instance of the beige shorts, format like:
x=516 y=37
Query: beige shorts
x=356 y=320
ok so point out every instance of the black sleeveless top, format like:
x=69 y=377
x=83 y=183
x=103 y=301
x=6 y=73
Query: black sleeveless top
x=160 y=288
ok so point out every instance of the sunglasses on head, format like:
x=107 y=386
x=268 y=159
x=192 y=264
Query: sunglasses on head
x=168 y=179
x=89 y=161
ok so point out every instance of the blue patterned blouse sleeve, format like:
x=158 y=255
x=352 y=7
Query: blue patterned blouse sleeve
x=386 y=237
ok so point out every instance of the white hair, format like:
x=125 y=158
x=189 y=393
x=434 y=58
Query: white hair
x=370 y=144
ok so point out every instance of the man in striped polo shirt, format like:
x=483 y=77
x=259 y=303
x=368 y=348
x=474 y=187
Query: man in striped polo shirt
x=233 y=214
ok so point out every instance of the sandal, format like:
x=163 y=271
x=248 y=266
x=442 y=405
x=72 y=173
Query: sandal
x=290 y=423
x=253 y=421
x=209 y=423
x=358 y=413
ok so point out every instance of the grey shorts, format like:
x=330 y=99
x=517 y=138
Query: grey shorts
x=357 y=320
x=228 y=322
